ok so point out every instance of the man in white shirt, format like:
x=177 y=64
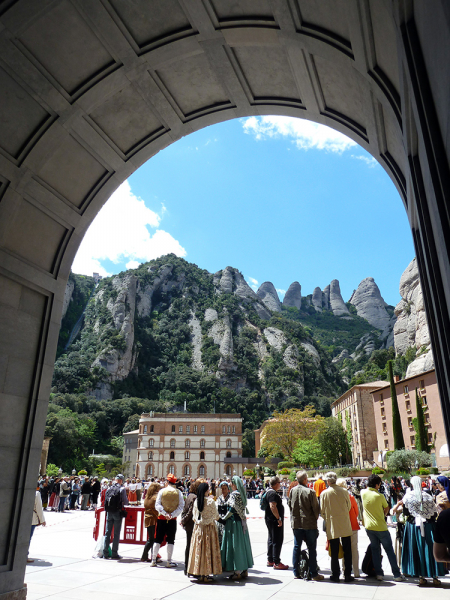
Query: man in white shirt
x=169 y=503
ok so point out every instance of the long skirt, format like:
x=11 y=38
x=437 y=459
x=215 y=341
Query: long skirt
x=204 y=554
x=417 y=552
x=54 y=501
x=236 y=550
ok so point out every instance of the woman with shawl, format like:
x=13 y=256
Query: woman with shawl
x=236 y=550
x=204 y=554
x=222 y=507
x=443 y=499
x=418 y=538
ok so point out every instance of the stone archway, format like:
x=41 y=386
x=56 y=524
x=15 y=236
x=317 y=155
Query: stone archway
x=90 y=91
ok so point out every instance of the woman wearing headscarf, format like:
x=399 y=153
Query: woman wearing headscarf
x=236 y=550
x=418 y=538
x=187 y=522
x=443 y=498
x=204 y=554
x=222 y=507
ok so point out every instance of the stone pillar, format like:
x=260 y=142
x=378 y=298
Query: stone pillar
x=44 y=455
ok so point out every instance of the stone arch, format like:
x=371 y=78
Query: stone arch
x=183 y=470
x=73 y=80
x=172 y=468
x=149 y=470
x=202 y=470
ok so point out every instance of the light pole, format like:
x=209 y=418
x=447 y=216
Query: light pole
x=74 y=471
x=257 y=470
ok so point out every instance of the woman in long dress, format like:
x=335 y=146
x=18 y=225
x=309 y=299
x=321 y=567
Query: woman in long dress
x=236 y=550
x=204 y=554
x=222 y=507
x=418 y=538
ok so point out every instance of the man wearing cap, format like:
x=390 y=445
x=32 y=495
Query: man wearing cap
x=114 y=519
x=169 y=504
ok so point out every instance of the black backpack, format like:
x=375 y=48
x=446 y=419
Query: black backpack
x=113 y=499
x=263 y=504
x=303 y=566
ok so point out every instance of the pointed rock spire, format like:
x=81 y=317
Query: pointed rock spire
x=269 y=296
x=369 y=304
x=336 y=301
x=293 y=296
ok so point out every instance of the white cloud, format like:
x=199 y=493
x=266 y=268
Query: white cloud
x=253 y=283
x=133 y=264
x=252 y=280
x=304 y=134
x=120 y=233
x=280 y=291
x=370 y=161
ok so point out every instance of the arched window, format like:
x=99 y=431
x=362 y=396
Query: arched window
x=202 y=470
x=150 y=456
x=172 y=469
x=228 y=443
x=202 y=443
x=187 y=443
x=202 y=456
x=151 y=443
x=228 y=470
x=187 y=470
x=228 y=454
x=145 y=428
x=149 y=471
x=172 y=456
x=173 y=428
x=152 y=429
x=172 y=443
x=187 y=455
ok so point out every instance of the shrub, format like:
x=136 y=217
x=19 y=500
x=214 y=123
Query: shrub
x=423 y=471
x=82 y=472
x=378 y=471
x=405 y=460
x=52 y=470
x=249 y=473
x=434 y=470
x=346 y=471
x=284 y=471
x=285 y=464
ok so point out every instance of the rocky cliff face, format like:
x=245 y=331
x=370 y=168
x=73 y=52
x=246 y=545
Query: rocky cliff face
x=231 y=281
x=67 y=297
x=369 y=304
x=411 y=328
x=330 y=299
x=293 y=296
x=269 y=296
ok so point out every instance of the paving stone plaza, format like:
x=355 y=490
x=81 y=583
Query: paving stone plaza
x=64 y=568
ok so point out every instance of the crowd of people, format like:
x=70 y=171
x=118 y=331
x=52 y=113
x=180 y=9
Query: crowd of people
x=214 y=517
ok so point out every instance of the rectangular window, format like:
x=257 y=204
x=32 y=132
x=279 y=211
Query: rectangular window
x=384 y=428
x=203 y=429
x=405 y=390
x=430 y=438
x=228 y=429
x=381 y=397
x=383 y=412
x=413 y=440
x=386 y=444
x=424 y=400
x=145 y=428
x=234 y=429
x=422 y=384
x=223 y=428
x=195 y=428
x=408 y=405
x=188 y=429
x=180 y=429
x=410 y=423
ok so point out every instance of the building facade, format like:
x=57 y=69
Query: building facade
x=189 y=445
x=426 y=385
x=129 y=458
x=355 y=408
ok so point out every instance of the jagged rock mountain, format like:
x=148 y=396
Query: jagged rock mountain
x=293 y=296
x=330 y=299
x=411 y=328
x=370 y=305
x=170 y=331
x=269 y=296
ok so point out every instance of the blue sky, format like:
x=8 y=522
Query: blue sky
x=280 y=199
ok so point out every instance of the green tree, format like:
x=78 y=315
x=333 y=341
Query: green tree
x=132 y=424
x=308 y=453
x=405 y=460
x=419 y=426
x=333 y=439
x=396 y=421
x=248 y=443
x=52 y=470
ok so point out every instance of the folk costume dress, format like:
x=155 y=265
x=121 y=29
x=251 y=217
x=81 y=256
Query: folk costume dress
x=222 y=507
x=204 y=553
x=418 y=538
x=236 y=550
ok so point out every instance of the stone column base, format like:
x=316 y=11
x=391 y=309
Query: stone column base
x=15 y=594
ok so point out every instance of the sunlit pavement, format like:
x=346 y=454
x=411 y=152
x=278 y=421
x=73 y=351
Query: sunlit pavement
x=64 y=567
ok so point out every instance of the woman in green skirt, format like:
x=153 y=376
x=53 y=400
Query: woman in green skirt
x=236 y=551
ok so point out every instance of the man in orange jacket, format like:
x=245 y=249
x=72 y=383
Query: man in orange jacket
x=319 y=487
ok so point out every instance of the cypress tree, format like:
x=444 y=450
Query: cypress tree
x=399 y=442
x=419 y=426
